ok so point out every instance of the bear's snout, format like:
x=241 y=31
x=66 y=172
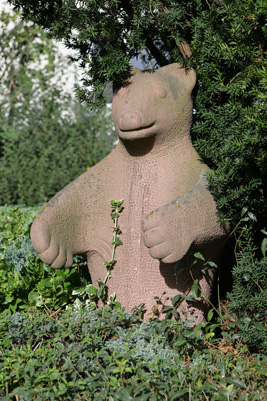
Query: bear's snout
x=130 y=121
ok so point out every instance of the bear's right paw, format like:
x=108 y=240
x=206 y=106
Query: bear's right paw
x=48 y=248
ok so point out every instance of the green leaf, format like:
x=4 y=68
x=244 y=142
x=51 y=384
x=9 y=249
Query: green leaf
x=196 y=293
x=190 y=298
x=237 y=382
x=166 y=308
x=8 y=299
x=198 y=255
x=54 y=375
x=7 y=341
x=48 y=283
x=175 y=299
x=180 y=393
x=210 y=315
x=244 y=211
x=91 y=289
x=252 y=216
x=116 y=370
x=62 y=388
x=264 y=247
x=212 y=264
x=33 y=296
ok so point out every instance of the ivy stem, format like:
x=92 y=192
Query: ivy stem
x=114 y=238
x=116 y=209
x=205 y=297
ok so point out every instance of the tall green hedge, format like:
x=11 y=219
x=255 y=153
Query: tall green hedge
x=39 y=160
x=47 y=138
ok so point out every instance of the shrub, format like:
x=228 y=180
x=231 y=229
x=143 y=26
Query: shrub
x=39 y=160
x=25 y=281
x=111 y=355
x=248 y=299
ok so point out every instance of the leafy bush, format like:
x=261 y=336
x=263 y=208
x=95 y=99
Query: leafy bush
x=25 y=281
x=110 y=354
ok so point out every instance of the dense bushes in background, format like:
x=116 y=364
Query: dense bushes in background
x=39 y=160
x=46 y=137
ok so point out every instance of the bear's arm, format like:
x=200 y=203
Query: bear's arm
x=189 y=221
x=57 y=233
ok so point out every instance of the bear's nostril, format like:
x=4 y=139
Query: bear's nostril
x=130 y=121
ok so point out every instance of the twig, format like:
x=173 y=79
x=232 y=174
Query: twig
x=208 y=4
x=259 y=42
x=56 y=312
x=184 y=49
x=236 y=247
x=38 y=345
x=236 y=75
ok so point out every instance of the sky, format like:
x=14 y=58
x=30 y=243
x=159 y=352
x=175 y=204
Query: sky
x=73 y=70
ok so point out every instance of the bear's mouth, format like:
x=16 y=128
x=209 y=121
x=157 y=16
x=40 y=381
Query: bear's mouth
x=145 y=127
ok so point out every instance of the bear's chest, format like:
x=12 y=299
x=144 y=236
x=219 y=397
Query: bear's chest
x=147 y=186
x=144 y=188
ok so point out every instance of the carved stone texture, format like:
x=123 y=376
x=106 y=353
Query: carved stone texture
x=168 y=211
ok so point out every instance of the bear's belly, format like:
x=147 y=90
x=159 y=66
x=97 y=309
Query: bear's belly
x=137 y=277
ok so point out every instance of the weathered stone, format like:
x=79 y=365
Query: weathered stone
x=168 y=210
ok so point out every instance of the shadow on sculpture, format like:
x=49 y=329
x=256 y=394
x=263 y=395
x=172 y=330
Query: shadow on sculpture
x=168 y=210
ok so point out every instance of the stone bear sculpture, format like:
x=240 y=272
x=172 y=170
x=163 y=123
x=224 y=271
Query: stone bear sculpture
x=168 y=210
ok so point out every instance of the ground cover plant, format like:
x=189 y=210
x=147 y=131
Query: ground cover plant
x=111 y=355
x=55 y=345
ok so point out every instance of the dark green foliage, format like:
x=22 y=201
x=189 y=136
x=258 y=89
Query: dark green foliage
x=39 y=160
x=248 y=299
x=109 y=354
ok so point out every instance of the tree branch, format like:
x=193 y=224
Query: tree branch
x=159 y=57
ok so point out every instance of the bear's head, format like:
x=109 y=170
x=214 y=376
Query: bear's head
x=151 y=103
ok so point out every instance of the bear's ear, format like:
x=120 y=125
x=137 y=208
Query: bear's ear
x=186 y=76
x=125 y=79
x=134 y=70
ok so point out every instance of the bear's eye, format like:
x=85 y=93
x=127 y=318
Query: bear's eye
x=160 y=92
